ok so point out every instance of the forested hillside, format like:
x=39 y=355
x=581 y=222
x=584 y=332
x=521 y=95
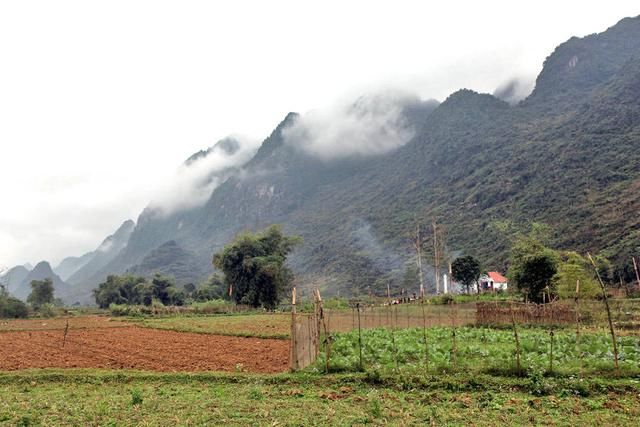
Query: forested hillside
x=567 y=156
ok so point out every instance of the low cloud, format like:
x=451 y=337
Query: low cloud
x=373 y=124
x=193 y=182
x=515 y=89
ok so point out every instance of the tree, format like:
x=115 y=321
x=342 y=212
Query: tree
x=121 y=290
x=189 y=288
x=254 y=265
x=574 y=267
x=533 y=267
x=41 y=293
x=466 y=270
x=10 y=307
x=214 y=288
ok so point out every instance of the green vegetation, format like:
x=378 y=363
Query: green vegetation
x=246 y=325
x=466 y=270
x=482 y=350
x=532 y=268
x=89 y=397
x=254 y=266
x=137 y=290
x=213 y=289
x=575 y=268
x=10 y=307
x=41 y=293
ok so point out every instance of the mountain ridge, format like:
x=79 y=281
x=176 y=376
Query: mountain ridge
x=566 y=156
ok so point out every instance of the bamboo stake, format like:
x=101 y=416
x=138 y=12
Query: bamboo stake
x=327 y=336
x=606 y=303
x=424 y=336
x=454 y=346
x=294 y=351
x=407 y=313
x=436 y=257
x=417 y=243
x=515 y=334
x=551 y=334
x=393 y=333
x=388 y=306
x=359 y=335
x=66 y=330
x=577 y=301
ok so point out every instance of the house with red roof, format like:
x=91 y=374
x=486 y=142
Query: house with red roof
x=493 y=281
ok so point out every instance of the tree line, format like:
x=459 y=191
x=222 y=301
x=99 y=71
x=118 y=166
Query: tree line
x=254 y=274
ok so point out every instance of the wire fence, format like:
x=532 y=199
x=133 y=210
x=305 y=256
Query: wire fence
x=415 y=331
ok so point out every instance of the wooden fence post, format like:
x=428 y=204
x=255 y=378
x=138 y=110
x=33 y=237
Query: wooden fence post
x=327 y=337
x=393 y=329
x=293 y=341
x=552 y=335
x=359 y=335
x=577 y=300
x=66 y=330
x=515 y=334
x=424 y=334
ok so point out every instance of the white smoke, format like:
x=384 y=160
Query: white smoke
x=373 y=124
x=515 y=90
x=194 y=181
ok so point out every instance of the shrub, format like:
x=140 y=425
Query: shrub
x=12 y=308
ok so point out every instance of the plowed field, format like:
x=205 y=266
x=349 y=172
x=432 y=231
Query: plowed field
x=130 y=347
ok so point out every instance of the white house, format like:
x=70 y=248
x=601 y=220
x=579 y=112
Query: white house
x=493 y=281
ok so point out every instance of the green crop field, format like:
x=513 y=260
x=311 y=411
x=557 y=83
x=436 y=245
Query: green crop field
x=482 y=350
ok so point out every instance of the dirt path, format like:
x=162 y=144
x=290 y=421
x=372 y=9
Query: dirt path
x=140 y=348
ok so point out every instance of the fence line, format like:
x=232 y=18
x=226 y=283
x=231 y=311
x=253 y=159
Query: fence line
x=313 y=331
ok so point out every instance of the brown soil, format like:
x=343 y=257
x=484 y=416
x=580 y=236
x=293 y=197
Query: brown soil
x=132 y=347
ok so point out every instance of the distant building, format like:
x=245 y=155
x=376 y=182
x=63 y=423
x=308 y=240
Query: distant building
x=493 y=281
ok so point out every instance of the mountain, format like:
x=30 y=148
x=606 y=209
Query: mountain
x=170 y=259
x=156 y=225
x=85 y=278
x=13 y=277
x=71 y=264
x=41 y=271
x=567 y=156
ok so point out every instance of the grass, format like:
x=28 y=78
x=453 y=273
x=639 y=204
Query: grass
x=483 y=350
x=90 y=397
x=245 y=325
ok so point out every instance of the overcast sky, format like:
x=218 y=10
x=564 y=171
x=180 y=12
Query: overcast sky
x=101 y=101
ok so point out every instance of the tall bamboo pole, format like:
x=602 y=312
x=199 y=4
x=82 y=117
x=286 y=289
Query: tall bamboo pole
x=417 y=243
x=327 y=336
x=606 y=303
x=515 y=334
x=424 y=336
x=577 y=301
x=359 y=335
x=393 y=333
x=436 y=256
x=294 y=351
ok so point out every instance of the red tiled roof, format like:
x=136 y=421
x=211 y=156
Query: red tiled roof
x=497 y=277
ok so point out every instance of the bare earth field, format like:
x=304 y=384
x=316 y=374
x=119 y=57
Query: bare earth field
x=131 y=347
